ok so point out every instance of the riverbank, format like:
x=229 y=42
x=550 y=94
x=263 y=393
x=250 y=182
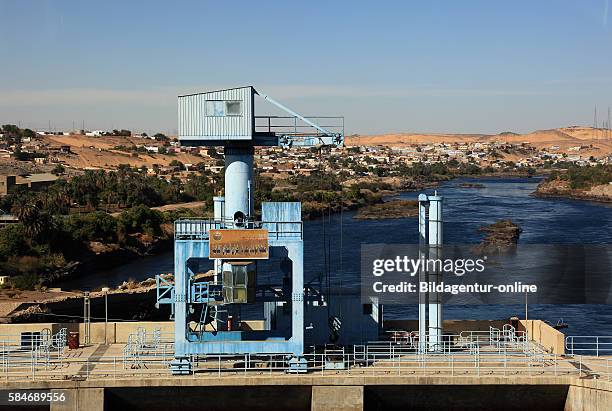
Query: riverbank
x=388 y=210
x=562 y=189
x=107 y=256
x=129 y=301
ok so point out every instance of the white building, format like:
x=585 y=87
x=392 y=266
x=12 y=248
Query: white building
x=94 y=133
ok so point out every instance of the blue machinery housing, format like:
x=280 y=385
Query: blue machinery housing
x=207 y=307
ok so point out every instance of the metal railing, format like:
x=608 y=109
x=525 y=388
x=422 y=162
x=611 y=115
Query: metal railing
x=150 y=354
x=198 y=229
x=504 y=339
x=337 y=362
x=296 y=129
x=142 y=346
x=588 y=345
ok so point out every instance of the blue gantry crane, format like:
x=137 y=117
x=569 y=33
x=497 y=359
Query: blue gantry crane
x=206 y=306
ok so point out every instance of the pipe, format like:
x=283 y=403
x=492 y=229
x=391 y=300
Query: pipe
x=218 y=215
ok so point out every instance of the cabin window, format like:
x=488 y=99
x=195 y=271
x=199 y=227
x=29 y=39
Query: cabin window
x=222 y=108
x=233 y=108
x=215 y=108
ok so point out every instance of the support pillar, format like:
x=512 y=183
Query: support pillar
x=295 y=252
x=80 y=399
x=337 y=398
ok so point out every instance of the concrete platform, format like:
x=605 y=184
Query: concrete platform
x=317 y=392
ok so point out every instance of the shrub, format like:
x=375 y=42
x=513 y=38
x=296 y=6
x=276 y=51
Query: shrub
x=96 y=226
x=140 y=219
x=12 y=241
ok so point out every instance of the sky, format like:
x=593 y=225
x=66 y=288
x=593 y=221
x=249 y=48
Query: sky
x=472 y=66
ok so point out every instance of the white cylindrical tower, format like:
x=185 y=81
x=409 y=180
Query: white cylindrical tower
x=435 y=275
x=238 y=183
x=422 y=271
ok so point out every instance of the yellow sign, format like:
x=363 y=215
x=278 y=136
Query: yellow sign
x=239 y=244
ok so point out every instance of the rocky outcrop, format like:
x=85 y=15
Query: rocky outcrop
x=51 y=276
x=561 y=188
x=501 y=236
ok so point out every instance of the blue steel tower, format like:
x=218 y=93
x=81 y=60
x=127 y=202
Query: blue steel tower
x=205 y=318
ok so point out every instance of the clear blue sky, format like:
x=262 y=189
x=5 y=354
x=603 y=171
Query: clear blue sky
x=431 y=66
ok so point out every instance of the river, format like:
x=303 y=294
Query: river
x=544 y=221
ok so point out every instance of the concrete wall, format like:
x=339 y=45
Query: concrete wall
x=116 y=332
x=589 y=395
x=552 y=340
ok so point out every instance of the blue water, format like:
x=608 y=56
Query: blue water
x=544 y=221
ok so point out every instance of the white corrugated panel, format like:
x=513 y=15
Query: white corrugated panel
x=194 y=123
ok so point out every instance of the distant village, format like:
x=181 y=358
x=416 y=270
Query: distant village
x=35 y=148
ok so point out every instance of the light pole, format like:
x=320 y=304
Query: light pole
x=86 y=316
x=526 y=308
x=105 y=290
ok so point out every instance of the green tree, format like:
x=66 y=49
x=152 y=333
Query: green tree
x=96 y=226
x=176 y=163
x=12 y=241
x=58 y=169
x=28 y=214
x=140 y=219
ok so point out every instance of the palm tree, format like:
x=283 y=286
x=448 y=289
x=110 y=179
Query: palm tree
x=28 y=214
x=57 y=199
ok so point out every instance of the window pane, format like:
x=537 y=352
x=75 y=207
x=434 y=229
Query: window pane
x=215 y=108
x=233 y=108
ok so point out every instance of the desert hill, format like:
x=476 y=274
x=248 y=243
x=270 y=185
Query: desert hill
x=103 y=152
x=564 y=138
